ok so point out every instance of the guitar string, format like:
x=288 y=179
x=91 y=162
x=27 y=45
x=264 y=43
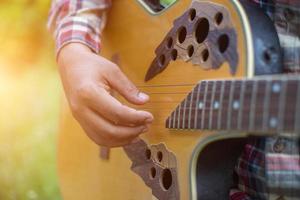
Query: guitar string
x=275 y=77
x=183 y=92
x=225 y=101
x=172 y=86
x=280 y=6
x=207 y=107
x=177 y=102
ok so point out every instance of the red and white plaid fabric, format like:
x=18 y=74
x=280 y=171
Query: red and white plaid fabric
x=78 y=21
x=268 y=169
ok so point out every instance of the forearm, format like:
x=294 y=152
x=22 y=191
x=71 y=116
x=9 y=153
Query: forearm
x=78 y=21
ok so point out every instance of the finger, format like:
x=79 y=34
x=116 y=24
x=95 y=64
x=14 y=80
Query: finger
x=106 y=105
x=105 y=133
x=126 y=88
x=99 y=140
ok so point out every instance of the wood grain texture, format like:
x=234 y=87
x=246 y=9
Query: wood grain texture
x=203 y=35
x=134 y=35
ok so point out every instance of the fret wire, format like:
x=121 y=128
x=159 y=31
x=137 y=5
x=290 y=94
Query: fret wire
x=204 y=103
x=266 y=105
x=240 y=114
x=212 y=103
x=174 y=117
x=282 y=105
x=252 y=106
x=178 y=116
x=221 y=104
x=184 y=110
x=265 y=102
x=297 y=113
x=196 y=110
x=190 y=111
x=170 y=119
x=230 y=104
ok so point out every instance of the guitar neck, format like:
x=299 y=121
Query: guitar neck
x=265 y=104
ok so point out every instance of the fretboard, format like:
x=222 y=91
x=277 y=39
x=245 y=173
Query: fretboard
x=265 y=104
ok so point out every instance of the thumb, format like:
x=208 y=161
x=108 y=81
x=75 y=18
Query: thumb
x=126 y=88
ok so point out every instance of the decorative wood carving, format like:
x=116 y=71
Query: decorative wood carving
x=203 y=35
x=156 y=166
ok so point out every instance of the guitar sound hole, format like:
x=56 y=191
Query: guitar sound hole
x=223 y=43
x=166 y=179
x=174 y=54
x=219 y=18
x=170 y=43
x=181 y=34
x=192 y=14
x=152 y=172
x=161 y=60
x=201 y=30
x=205 y=55
x=159 y=156
x=148 y=154
x=190 y=50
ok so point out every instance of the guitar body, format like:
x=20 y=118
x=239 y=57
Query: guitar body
x=130 y=38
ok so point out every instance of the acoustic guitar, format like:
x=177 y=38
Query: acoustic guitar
x=206 y=66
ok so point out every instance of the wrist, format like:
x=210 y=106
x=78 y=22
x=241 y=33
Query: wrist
x=70 y=51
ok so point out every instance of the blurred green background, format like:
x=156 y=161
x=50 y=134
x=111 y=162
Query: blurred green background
x=30 y=93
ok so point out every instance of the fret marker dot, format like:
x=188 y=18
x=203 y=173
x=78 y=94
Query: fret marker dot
x=216 y=105
x=201 y=105
x=236 y=105
x=273 y=122
x=276 y=87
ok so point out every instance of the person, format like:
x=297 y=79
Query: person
x=269 y=167
x=88 y=78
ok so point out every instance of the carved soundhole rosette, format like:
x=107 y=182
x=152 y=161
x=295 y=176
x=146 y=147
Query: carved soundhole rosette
x=157 y=167
x=203 y=35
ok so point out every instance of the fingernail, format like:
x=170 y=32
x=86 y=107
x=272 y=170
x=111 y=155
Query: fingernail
x=149 y=120
x=142 y=96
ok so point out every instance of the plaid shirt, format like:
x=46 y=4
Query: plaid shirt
x=78 y=21
x=269 y=167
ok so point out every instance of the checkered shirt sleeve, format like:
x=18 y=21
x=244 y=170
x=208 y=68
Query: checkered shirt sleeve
x=80 y=21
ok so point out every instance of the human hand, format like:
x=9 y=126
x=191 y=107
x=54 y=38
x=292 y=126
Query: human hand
x=88 y=80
